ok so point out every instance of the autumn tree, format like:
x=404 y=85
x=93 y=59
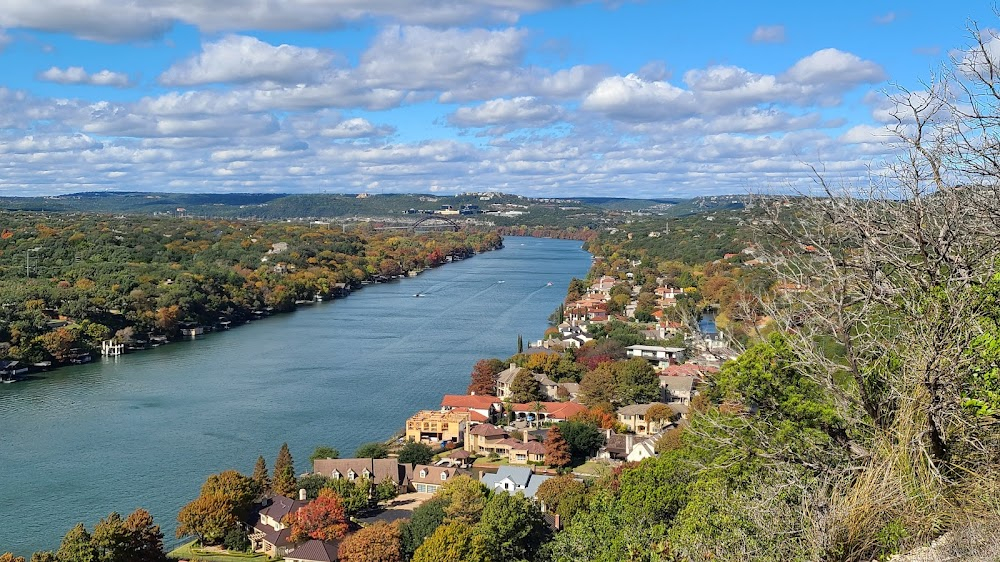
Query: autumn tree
x=208 y=517
x=557 y=453
x=524 y=388
x=9 y=557
x=321 y=519
x=239 y=490
x=44 y=556
x=658 y=413
x=564 y=495
x=135 y=538
x=378 y=542
x=484 y=376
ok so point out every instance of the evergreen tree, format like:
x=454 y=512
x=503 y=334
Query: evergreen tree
x=76 y=546
x=260 y=475
x=283 y=482
x=520 y=344
x=524 y=388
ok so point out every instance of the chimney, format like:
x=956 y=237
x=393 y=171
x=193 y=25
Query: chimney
x=302 y=494
x=512 y=366
x=556 y=522
x=525 y=435
x=629 y=438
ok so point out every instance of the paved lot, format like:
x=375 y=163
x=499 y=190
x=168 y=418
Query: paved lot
x=400 y=508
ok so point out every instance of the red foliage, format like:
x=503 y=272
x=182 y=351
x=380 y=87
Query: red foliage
x=321 y=519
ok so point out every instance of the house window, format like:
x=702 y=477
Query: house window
x=351 y=475
x=444 y=476
x=366 y=474
x=423 y=473
x=335 y=475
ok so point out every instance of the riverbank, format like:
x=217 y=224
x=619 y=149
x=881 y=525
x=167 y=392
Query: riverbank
x=12 y=371
x=116 y=435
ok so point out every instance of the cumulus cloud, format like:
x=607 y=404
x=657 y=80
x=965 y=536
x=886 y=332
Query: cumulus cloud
x=77 y=75
x=768 y=34
x=356 y=128
x=241 y=59
x=632 y=98
x=835 y=67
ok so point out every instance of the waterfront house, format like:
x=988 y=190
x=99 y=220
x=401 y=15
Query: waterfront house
x=548 y=387
x=514 y=479
x=635 y=419
x=658 y=355
x=435 y=426
x=487 y=406
x=269 y=534
x=375 y=470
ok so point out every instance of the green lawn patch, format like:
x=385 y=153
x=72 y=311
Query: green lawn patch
x=190 y=552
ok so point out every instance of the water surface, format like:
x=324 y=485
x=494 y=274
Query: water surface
x=146 y=429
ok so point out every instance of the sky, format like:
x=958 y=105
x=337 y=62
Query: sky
x=560 y=98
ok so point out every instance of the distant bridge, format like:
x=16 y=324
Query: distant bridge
x=431 y=222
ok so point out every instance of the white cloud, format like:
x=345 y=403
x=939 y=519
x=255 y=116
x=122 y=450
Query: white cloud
x=832 y=67
x=240 y=59
x=115 y=21
x=885 y=19
x=356 y=128
x=77 y=75
x=522 y=111
x=632 y=98
x=768 y=34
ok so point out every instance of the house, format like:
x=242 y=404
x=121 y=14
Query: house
x=314 y=551
x=677 y=388
x=634 y=418
x=548 y=387
x=667 y=296
x=480 y=439
x=546 y=411
x=526 y=451
x=485 y=405
x=658 y=355
x=645 y=448
x=376 y=470
x=618 y=446
x=514 y=479
x=435 y=426
x=429 y=479
x=269 y=534
x=603 y=285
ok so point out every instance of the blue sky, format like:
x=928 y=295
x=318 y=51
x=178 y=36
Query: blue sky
x=537 y=97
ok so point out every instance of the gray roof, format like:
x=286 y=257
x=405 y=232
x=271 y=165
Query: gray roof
x=522 y=477
x=638 y=409
x=281 y=506
x=507 y=375
x=380 y=469
x=677 y=384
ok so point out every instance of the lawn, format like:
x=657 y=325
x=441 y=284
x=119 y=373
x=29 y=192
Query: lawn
x=190 y=552
x=592 y=469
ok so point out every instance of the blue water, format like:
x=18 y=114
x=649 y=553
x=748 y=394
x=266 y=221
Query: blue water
x=146 y=429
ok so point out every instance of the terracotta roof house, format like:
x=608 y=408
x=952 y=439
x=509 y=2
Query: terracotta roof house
x=514 y=479
x=377 y=470
x=484 y=404
x=314 y=551
x=550 y=411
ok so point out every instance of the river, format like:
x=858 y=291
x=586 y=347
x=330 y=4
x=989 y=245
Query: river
x=145 y=430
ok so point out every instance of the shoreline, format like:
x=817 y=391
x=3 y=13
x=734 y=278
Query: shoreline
x=338 y=293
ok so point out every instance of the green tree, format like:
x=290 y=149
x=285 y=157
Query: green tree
x=635 y=382
x=312 y=484
x=451 y=541
x=386 y=490
x=76 y=546
x=373 y=450
x=354 y=494
x=584 y=438
x=44 y=556
x=466 y=498
x=511 y=528
x=285 y=483
x=557 y=452
x=415 y=453
x=236 y=540
x=520 y=344
x=283 y=461
x=260 y=475
x=524 y=387
x=324 y=452
x=426 y=518
x=564 y=495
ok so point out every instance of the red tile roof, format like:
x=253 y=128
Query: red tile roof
x=561 y=410
x=477 y=401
